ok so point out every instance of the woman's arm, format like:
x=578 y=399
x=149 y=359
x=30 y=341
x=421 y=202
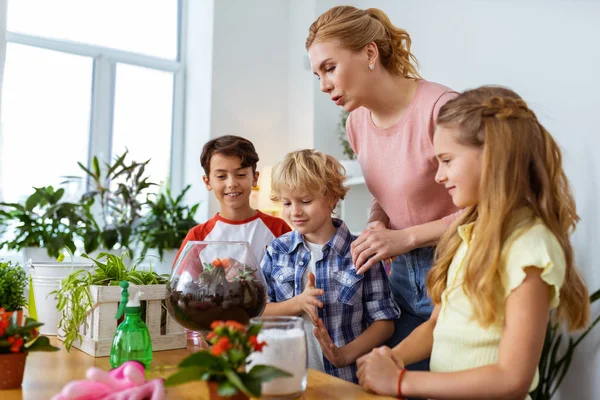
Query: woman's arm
x=526 y=315
x=378 y=215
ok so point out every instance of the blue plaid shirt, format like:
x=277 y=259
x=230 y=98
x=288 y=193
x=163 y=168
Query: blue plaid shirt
x=351 y=302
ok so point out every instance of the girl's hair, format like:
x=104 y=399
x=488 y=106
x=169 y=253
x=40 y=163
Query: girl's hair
x=309 y=171
x=354 y=29
x=522 y=166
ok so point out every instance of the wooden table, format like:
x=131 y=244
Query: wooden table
x=47 y=373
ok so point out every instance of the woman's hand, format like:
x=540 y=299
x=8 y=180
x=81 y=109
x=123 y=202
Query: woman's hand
x=377 y=243
x=378 y=371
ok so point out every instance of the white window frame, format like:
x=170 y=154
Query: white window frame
x=105 y=60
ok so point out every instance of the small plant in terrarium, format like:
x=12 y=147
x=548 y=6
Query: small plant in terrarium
x=213 y=281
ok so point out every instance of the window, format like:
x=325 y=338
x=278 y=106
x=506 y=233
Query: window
x=88 y=78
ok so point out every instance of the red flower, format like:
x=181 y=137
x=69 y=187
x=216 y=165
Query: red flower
x=16 y=343
x=210 y=335
x=216 y=324
x=221 y=346
x=255 y=344
x=235 y=325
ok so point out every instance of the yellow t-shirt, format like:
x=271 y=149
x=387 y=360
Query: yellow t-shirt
x=459 y=341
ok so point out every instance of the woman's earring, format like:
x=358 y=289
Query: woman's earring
x=371 y=67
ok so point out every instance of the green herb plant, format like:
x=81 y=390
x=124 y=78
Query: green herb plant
x=13 y=281
x=74 y=298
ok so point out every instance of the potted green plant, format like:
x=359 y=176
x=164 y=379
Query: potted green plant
x=43 y=222
x=351 y=165
x=343 y=137
x=557 y=356
x=16 y=341
x=83 y=291
x=117 y=192
x=223 y=365
x=13 y=281
x=166 y=223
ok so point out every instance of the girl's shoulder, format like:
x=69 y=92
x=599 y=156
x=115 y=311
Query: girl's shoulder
x=533 y=246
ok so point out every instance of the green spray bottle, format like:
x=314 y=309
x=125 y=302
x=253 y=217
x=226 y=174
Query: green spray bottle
x=132 y=338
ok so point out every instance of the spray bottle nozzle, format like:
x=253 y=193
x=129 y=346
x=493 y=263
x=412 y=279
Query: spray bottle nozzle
x=124 y=298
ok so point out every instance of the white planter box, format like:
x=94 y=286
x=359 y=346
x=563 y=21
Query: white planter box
x=98 y=337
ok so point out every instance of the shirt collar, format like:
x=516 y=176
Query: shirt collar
x=339 y=242
x=520 y=214
x=465 y=231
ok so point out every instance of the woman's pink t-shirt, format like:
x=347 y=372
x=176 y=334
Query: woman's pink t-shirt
x=399 y=163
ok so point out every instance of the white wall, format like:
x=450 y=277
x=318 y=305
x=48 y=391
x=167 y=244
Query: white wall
x=197 y=55
x=250 y=75
x=548 y=52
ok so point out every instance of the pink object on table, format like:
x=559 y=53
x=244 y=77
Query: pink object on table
x=122 y=383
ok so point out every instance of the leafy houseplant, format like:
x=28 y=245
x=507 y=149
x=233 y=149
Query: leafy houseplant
x=16 y=341
x=223 y=366
x=75 y=301
x=117 y=192
x=167 y=222
x=343 y=138
x=553 y=366
x=13 y=281
x=43 y=222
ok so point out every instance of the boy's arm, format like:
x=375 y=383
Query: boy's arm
x=297 y=304
x=285 y=308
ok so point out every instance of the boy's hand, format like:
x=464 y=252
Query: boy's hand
x=334 y=354
x=308 y=301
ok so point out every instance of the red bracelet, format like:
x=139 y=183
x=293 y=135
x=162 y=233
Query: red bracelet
x=400 y=382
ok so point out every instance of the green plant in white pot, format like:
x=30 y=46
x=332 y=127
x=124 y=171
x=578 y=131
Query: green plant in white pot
x=42 y=222
x=162 y=229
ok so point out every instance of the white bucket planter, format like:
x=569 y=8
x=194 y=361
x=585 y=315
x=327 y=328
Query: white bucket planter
x=46 y=277
x=36 y=254
x=160 y=266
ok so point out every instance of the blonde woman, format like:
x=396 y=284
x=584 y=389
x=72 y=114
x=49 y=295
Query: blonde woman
x=365 y=65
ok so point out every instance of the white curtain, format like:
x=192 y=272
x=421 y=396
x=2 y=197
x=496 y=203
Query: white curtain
x=3 y=11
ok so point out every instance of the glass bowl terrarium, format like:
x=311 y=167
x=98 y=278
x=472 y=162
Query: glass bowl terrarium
x=215 y=281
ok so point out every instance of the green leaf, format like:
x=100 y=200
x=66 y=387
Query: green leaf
x=254 y=329
x=185 y=375
x=236 y=356
x=233 y=377
x=267 y=373
x=226 y=389
x=254 y=385
x=203 y=359
x=96 y=166
x=41 y=343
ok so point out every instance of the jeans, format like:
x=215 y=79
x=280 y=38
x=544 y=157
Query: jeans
x=408 y=282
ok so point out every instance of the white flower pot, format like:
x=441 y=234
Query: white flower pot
x=35 y=254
